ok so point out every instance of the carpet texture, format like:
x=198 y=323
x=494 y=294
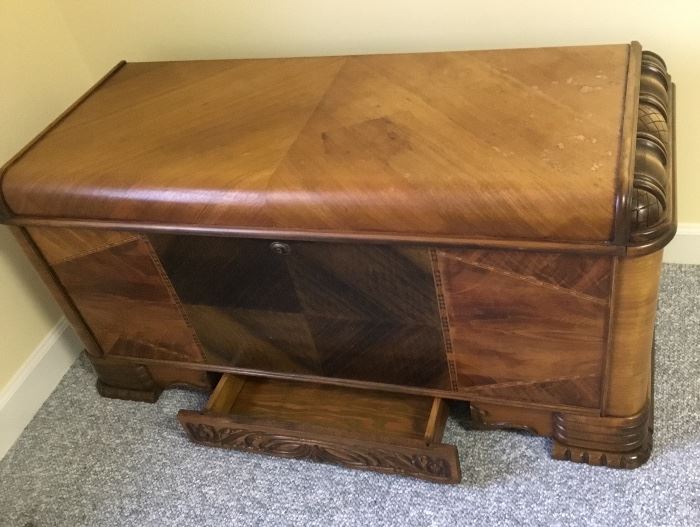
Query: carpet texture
x=88 y=461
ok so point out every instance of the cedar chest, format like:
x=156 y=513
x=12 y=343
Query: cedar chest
x=345 y=243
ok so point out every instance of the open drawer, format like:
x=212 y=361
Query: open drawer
x=381 y=431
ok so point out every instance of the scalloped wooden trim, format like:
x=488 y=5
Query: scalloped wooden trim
x=656 y=189
x=616 y=442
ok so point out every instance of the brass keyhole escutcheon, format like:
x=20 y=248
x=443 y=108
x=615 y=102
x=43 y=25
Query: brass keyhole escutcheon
x=280 y=248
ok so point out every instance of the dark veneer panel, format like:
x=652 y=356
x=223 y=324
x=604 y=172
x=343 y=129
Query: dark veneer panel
x=115 y=282
x=227 y=272
x=529 y=327
x=344 y=311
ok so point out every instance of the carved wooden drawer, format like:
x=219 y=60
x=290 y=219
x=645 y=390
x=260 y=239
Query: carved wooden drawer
x=380 y=431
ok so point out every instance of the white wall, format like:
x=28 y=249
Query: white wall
x=43 y=72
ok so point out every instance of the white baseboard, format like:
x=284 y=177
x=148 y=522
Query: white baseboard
x=685 y=247
x=35 y=380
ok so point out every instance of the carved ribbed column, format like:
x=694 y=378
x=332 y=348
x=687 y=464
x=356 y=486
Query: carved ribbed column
x=649 y=199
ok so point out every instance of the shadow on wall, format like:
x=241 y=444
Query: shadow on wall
x=15 y=266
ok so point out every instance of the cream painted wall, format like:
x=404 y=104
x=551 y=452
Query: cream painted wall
x=43 y=72
x=139 y=30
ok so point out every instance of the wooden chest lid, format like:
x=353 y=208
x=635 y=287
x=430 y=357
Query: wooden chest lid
x=510 y=145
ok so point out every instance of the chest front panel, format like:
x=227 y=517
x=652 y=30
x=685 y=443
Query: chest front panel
x=503 y=325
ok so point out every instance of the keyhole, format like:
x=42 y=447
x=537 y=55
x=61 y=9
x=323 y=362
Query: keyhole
x=280 y=248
